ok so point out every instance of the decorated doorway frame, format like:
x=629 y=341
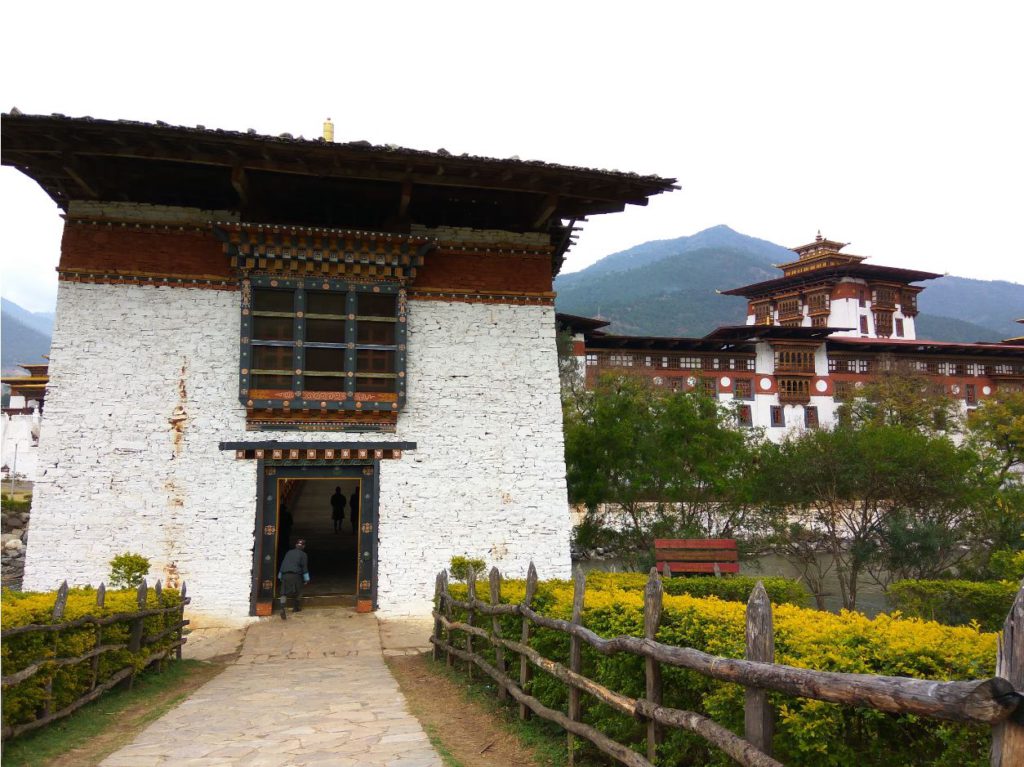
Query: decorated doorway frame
x=276 y=461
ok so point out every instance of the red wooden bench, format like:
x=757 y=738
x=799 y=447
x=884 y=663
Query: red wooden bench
x=696 y=555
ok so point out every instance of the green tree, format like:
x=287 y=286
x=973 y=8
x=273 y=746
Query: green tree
x=879 y=501
x=900 y=395
x=648 y=463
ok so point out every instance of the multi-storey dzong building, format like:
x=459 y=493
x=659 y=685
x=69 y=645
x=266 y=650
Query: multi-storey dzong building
x=813 y=336
x=244 y=320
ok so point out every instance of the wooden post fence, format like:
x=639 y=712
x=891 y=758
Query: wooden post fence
x=525 y=669
x=759 y=719
x=1008 y=735
x=579 y=587
x=98 y=623
x=653 y=595
x=494 y=580
x=997 y=702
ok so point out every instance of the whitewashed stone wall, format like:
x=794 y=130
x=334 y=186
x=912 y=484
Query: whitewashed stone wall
x=487 y=479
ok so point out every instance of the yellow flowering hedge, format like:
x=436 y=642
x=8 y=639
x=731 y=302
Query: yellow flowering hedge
x=26 y=700
x=808 y=732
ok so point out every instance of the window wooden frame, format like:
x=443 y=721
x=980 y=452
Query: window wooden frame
x=778 y=416
x=357 y=388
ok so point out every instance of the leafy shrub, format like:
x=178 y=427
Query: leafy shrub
x=808 y=732
x=128 y=570
x=955 y=603
x=1007 y=565
x=735 y=588
x=10 y=503
x=24 y=701
x=461 y=567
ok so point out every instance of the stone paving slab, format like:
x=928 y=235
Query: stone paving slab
x=312 y=690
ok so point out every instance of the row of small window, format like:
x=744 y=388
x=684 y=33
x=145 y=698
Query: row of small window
x=931 y=367
x=778 y=416
x=669 y=361
x=743 y=388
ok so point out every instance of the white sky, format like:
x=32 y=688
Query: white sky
x=895 y=126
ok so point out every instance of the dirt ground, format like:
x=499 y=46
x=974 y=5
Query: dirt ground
x=132 y=720
x=475 y=736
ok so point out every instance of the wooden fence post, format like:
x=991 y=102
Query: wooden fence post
x=653 y=594
x=759 y=724
x=101 y=598
x=159 y=591
x=61 y=602
x=138 y=626
x=436 y=654
x=1008 y=736
x=470 y=616
x=181 y=619
x=579 y=586
x=525 y=669
x=449 y=655
x=499 y=651
x=59 y=605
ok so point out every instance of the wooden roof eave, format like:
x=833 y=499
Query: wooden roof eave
x=104 y=139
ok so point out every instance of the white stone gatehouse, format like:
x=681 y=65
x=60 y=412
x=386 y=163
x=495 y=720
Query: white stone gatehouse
x=245 y=322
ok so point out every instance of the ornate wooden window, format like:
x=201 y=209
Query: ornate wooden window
x=744 y=415
x=971 y=394
x=591 y=360
x=689 y=363
x=321 y=345
x=899 y=328
x=864 y=324
x=883 y=297
x=819 y=321
x=743 y=388
x=794 y=361
x=810 y=416
x=883 y=323
x=778 y=416
x=794 y=389
x=762 y=313
x=843 y=390
x=790 y=308
x=621 y=360
x=908 y=303
x=709 y=385
x=818 y=303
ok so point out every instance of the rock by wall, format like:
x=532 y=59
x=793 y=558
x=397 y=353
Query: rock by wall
x=13 y=542
x=143 y=388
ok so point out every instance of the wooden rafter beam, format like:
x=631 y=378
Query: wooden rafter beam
x=240 y=182
x=72 y=167
x=406 y=198
x=549 y=206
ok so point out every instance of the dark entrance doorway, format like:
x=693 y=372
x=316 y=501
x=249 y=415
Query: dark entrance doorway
x=333 y=549
x=341 y=564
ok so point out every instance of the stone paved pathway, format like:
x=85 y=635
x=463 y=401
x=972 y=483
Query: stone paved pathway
x=312 y=690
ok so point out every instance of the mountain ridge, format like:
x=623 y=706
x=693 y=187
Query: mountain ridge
x=671 y=289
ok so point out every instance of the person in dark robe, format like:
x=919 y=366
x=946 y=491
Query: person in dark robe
x=337 y=509
x=353 y=509
x=294 y=574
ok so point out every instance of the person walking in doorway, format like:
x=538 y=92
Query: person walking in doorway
x=337 y=509
x=294 y=574
x=353 y=509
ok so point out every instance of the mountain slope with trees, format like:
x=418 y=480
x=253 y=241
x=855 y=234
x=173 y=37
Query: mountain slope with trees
x=667 y=288
x=24 y=336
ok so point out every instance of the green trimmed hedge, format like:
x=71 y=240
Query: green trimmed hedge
x=808 y=732
x=25 y=701
x=955 y=603
x=733 y=588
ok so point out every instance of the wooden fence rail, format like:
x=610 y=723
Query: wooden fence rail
x=997 y=702
x=172 y=623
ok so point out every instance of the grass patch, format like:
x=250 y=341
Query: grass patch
x=435 y=740
x=546 y=740
x=101 y=727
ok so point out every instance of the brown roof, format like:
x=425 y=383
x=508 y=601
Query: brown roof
x=309 y=181
x=831 y=274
